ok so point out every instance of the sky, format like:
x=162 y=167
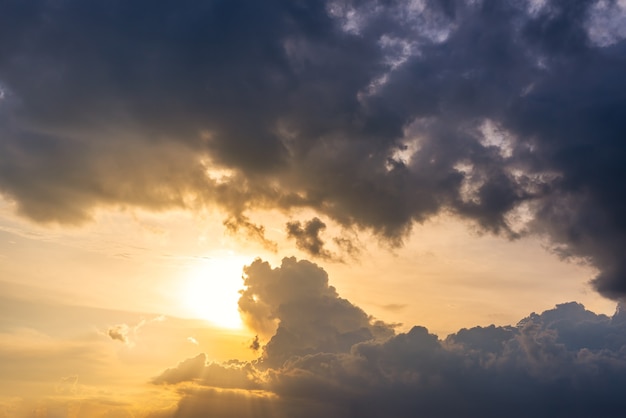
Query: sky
x=347 y=208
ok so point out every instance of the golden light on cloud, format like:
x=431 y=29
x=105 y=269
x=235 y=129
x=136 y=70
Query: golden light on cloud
x=211 y=290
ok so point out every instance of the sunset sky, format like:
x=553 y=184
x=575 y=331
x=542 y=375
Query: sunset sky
x=294 y=208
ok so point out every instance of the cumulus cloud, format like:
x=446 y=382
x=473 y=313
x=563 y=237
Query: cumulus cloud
x=295 y=303
x=375 y=114
x=328 y=355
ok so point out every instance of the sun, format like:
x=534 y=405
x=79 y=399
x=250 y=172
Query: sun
x=211 y=290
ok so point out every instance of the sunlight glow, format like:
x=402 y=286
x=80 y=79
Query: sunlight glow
x=211 y=290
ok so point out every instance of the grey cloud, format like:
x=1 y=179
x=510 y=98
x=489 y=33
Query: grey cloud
x=83 y=132
x=375 y=114
x=233 y=375
x=188 y=370
x=308 y=238
x=255 y=344
x=566 y=361
x=237 y=223
x=305 y=314
x=348 y=246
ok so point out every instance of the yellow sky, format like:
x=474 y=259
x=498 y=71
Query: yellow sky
x=312 y=208
x=161 y=263
x=65 y=289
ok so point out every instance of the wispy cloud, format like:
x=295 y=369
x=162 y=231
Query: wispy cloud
x=126 y=333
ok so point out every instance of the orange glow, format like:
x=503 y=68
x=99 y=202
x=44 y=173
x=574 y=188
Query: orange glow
x=211 y=290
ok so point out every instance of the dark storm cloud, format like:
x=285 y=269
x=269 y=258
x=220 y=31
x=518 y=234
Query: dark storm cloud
x=566 y=361
x=376 y=114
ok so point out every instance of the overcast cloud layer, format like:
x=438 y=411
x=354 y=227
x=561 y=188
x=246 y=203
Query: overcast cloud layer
x=376 y=114
x=328 y=357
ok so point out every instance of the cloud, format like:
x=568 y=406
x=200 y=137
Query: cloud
x=123 y=332
x=308 y=237
x=374 y=114
x=304 y=313
x=393 y=307
x=327 y=353
x=235 y=224
x=255 y=344
x=187 y=370
x=231 y=375
x=119 y=333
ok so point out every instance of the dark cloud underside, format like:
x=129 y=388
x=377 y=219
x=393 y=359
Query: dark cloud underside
x=376 y=114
